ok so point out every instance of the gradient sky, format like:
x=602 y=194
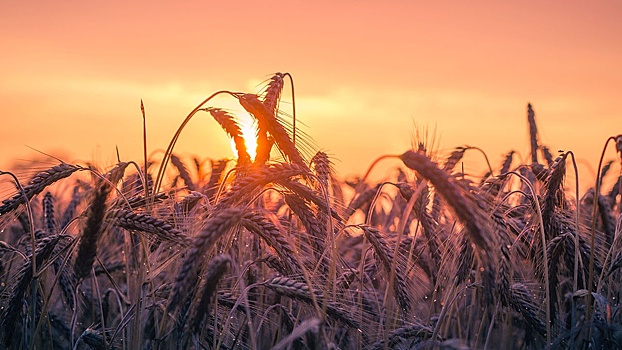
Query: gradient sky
x=366 y=74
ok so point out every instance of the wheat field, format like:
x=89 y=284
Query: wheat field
x=277 y=252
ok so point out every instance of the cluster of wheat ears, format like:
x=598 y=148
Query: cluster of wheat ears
x=277 y=253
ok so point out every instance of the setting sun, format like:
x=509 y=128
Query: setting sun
x=248 y=126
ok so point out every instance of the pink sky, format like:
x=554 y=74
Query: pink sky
x=73 y=74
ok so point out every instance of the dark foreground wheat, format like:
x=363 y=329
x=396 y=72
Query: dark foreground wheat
x=266 y=253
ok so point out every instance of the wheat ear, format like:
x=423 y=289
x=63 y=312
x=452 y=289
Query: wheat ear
x=130 y=220
x=87 y=248
x=267 y=120
x=11 y=315
x=231 y=127
x=216 y=268
x=271 y=99
x=183 y=172
x=386 y=256
x=38 y=183
x=533 y=133
x=465 y=208
x=218 y=224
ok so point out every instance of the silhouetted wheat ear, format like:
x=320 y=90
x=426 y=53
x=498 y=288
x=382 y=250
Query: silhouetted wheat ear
x=37 y=184
x=66 y=281
x=162 y=230
x=94 y=339
x=12 y=311
x=605 y=169
x=323 y=184
x=309 y=194
x=553 y=195
x=266 y=119
x=385 y=254
x=258 y=224
x=272 y=95
x=49 y=221
x=466 y=209
x=360 y=200
x=183 y=172
x=300 y=291
x=522 y=302
x=321 y=166
x=507 y=162
x=504 y=277
x=218 y=167
x=263 y=149
x=273 y=262
x=217 y=225
x=271 y=99
x=216 y=268
x=251 y=181
x=231 y=127
x=189 y=202
x=533 y=133
x=87 y=247
x=465 y=260
x=308 y=328
x=430 y=231
x=454 y=158
x=115 y=174
x=556 y=249
x=405 y=333
x=310 y=222
x=428 y=224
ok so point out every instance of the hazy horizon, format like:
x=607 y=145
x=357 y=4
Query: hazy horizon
x=74 y=74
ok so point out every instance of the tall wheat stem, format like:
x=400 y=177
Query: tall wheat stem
x=590 y=299
x=547 y=300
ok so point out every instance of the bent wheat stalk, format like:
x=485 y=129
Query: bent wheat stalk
x=169 y=150
x=463 y=206
x=38 y=183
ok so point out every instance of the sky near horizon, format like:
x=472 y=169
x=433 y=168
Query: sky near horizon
x=366 y=73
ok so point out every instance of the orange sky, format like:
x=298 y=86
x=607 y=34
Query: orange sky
x=73 y=73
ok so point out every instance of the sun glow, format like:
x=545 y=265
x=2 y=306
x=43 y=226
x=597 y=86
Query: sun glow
x=248 y=126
